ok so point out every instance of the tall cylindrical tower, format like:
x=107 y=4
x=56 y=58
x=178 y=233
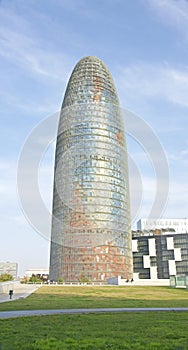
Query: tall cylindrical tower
x=91 y=234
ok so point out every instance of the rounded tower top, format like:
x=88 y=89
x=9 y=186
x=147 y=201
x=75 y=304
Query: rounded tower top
x=90 y=81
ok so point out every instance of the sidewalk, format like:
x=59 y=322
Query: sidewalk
x=20 y=291
x=25 y=313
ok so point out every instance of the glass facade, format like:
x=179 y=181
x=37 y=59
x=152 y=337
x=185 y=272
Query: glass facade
x=91 y=235
x=169 y=256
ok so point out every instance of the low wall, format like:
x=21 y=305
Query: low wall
x=114 y=281
x=150 y=282
x=6 y=286
x=138 y=282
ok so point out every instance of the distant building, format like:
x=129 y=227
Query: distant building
x=176 y=225
x=10 y=268
x=36 y=272
x=160 y=256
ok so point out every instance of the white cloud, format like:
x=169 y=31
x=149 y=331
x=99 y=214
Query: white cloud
x=178 y=204
x=19 y=49
x=172 y=12
x=20 y=45
x=185 y=153
x=180 y=158
x=159 y=81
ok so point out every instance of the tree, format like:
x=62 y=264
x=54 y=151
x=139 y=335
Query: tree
x=60 y=280
x=6 y=277
x=83 y=278
x=35 y=279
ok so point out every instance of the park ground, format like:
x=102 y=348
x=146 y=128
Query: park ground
x=139 y=331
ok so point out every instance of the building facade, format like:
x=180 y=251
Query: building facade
x=176 y=225
x=10 y=268
x=91 y=234
x=160 y=256
x=37 y=272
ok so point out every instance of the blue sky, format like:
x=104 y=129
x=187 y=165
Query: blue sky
x=144 y=43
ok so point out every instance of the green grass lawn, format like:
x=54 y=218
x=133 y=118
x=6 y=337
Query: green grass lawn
x=63 y=297
x=135 y=331
x=140 y=331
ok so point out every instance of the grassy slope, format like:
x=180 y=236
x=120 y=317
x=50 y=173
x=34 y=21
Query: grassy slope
x=54 y=297
x=145 y=331
x=137 y=331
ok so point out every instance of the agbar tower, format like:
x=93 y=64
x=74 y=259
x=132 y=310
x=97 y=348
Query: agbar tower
x=91 y=234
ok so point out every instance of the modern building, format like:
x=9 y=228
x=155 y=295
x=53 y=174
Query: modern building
x=160 y=256
x=37 y=272
x=10 y=268
x=91 y=234
x=176 y=225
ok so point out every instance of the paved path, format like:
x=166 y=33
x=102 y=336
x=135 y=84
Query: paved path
x=25 y=313
x=20 y=291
